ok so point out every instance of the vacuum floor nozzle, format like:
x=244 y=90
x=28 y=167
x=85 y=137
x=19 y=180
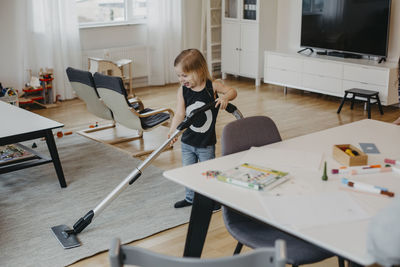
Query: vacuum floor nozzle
x=65 y=236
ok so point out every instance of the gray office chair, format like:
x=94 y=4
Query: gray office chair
x=82 y=83
x=241 y=135
x=274 y=256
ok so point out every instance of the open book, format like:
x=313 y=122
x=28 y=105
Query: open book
x=253 y=176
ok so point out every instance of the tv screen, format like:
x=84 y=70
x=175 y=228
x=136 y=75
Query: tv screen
x=355 y=26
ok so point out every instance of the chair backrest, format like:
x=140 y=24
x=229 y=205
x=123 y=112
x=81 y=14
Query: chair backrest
x=112 y=91
x=242 y=134
x=263 y=257
x=83 y=84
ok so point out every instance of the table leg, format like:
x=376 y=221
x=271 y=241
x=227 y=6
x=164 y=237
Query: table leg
x=352 y=101
x=341 y=104
x=369 y=107
x=51 y=144
x=379 y=105
x=198 y=225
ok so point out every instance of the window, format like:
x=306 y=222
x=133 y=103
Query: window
x=109 y=12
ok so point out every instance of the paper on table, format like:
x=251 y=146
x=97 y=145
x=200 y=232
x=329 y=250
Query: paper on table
x=283 y=158
x=307 y=211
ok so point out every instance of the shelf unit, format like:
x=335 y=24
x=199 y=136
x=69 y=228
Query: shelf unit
x=42 y=95
x=47 y=85
x=248 y=28
x=31 y=95
x=211 y=35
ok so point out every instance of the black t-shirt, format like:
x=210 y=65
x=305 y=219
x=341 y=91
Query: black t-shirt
x=202 y=132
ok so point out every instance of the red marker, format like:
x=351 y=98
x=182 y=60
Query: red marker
x=392 y=161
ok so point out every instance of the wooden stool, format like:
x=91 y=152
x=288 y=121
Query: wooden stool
x=368 y=94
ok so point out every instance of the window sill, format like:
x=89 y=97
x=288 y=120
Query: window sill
x=113 y=24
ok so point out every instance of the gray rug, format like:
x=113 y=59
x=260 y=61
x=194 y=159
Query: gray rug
x=31 y=202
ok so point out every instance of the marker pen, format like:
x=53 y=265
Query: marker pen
x=344 y=169
x=367 y=187
x=392 y=161
x=371 y=170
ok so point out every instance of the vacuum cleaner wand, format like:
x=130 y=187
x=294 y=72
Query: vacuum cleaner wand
x=67 y=236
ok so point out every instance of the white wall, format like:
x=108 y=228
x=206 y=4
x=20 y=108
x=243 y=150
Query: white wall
x=394 y=41
x=11 y=58
x=289 y=25
x=192 y=23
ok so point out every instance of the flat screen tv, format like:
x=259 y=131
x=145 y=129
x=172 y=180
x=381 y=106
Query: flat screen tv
x=352 y=26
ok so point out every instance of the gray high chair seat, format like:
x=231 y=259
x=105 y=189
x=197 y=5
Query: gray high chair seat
x=82 y=83
x=241 y=135
x=112 y=92
x=273 y=256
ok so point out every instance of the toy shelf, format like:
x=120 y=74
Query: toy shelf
x=32 y=90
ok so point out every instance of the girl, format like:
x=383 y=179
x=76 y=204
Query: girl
x=197 y=89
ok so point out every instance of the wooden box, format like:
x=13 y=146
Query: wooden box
x=347 y=160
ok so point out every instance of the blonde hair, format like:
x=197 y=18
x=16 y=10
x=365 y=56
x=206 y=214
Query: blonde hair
x=192 y=61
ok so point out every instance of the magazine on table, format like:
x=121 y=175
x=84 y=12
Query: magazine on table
x=253 y=176
x=14 y=153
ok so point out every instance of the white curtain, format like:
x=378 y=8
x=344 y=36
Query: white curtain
x=52 y=41
x=164 y=39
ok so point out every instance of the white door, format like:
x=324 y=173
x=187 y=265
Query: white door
x=249 y=58
x=230 y=48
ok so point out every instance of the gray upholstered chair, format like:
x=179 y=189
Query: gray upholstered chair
x=82 y=83
x=112 y=92
x=273 y=256
x=241 y=135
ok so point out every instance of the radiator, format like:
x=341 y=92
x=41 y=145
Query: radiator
x=138 y=54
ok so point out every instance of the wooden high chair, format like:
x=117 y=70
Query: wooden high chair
x=113 y=68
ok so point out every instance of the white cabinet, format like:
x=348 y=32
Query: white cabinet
x=331 y=76
x=230 y=48
x=248 y=28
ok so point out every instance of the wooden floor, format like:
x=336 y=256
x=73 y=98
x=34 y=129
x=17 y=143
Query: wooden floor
x=296 y=113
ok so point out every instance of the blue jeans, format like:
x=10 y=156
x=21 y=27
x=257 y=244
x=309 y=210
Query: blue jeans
x=191 y=155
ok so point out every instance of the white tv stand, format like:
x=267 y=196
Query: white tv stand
x=330 y=75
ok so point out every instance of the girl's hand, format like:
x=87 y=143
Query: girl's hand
x=222 y=102
x=173 y=141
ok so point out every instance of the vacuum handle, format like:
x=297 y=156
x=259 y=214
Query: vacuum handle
x=191 y=117
x=231 y=108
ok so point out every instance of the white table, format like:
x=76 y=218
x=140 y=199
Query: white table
x=346 y=239
x=18 y=125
